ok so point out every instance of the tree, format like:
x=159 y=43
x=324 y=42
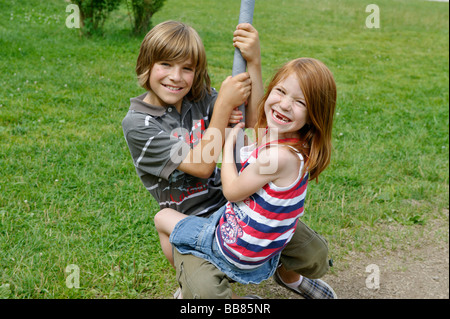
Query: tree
x=143 y=11
x=93 y=13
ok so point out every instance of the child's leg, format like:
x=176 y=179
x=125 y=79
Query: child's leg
x=165 y=221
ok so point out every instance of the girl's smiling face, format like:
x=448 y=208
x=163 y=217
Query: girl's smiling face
x=285 y=107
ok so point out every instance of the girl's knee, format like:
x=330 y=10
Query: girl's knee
x=166 y=219
x=160 y=218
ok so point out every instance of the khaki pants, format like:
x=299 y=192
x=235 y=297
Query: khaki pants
x=306 y=254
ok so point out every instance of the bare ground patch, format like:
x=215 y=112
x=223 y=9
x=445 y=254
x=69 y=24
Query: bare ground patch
x=416 y=267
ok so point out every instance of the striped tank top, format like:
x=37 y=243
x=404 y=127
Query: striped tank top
x=252 y=231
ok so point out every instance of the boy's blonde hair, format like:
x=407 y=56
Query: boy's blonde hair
x=319 y=89
x=174 y=41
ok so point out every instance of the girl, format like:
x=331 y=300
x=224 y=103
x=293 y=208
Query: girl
x=245 y=237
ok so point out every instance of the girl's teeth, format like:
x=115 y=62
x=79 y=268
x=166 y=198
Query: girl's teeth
x=281 y=118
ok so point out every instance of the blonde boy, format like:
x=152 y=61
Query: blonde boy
x=181 y=118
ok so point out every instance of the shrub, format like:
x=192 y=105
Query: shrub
x=93 y=13
x=143 y=11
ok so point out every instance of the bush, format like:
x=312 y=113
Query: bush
x=93 y=13
x=143 y=11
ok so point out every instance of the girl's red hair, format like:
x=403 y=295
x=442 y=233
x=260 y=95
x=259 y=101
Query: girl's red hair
x=319 y=89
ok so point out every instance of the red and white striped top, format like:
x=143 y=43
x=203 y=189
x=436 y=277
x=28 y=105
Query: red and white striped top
x=252 y=231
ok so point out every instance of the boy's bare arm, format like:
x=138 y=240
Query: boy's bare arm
x=202 y=159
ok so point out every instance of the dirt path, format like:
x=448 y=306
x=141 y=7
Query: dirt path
x=418 y=273
x=417 y=269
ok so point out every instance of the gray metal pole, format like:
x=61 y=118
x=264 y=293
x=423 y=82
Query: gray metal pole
x=239 y=63
x=239 y=66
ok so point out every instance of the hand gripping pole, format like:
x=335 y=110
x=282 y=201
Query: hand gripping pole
x=239 y=63
x=239 y=66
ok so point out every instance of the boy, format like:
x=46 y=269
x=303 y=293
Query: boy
x=175 y=133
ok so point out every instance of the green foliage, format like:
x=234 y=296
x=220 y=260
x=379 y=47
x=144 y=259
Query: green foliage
x=142 y=11
x=93 y=13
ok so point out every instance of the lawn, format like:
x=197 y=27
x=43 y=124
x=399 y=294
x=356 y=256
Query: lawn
x=69 y=194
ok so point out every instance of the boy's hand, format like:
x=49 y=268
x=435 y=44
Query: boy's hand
x=235 y=91
x=246 y=39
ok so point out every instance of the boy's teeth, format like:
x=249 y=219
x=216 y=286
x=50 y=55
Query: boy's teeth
x=172 y=88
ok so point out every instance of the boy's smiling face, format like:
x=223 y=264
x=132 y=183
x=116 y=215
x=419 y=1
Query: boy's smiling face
x=170 y=81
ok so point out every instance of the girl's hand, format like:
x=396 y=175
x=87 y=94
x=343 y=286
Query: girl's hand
x=231 y=137
x=235 y=117
x=235 y=90
x=246 y=39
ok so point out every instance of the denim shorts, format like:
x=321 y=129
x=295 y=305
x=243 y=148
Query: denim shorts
x=196 y=236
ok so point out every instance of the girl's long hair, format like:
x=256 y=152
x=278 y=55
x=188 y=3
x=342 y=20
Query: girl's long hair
x=319 y=89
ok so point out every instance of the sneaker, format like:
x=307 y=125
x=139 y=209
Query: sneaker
x=177 y=294
x=310 y=288
x=251 y=297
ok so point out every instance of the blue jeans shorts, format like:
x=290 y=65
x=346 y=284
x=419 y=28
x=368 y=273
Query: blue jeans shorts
x=196 y=236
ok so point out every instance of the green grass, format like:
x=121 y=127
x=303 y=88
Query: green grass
x=68 y=190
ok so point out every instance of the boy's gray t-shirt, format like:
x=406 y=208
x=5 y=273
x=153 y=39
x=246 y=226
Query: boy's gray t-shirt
x=159 y=138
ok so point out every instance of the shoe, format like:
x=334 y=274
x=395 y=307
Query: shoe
x=177 y=294
x=251 y=297
x=310 y=288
